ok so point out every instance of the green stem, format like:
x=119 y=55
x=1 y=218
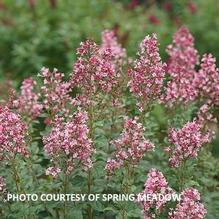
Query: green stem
x=35 y=180
x=65 y=192
x=124 y=214
x=15 y=176
x=182 y=176
x=89 y=184
x=112 y=129
x=17 y=180
x=89 y=179
x=128 y=176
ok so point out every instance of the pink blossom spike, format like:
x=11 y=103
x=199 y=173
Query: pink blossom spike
x=146 y=78
x=70 y=138
x=130 y=146
x=156 y=184
x=181 y=69
x=187 y=142
x=12 y=135
x=95 y=69
x=109 y=41
x=189 y=206
x=55 y=91
x=207 y=80
x=28 y=102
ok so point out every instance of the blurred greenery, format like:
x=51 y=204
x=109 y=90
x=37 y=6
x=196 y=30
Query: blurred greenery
x=36 y=33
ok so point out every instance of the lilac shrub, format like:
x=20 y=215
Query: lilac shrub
x=100 y=129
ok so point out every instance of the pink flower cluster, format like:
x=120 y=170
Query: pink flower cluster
x=131 y=146
x=2 y=185
x=207 y=80
x=94 y=69
x=148 y=73
x=81 y=100
x=70 y=138
x=55 y=91
x=156 y=184
x=53 y=171
x=12 y=135
x=28 y=102
x=204 y=114
x=83 y=71
x=189 y=206
x=106 y=76
x=181 y=69
x=187 y=141
x=109 y=41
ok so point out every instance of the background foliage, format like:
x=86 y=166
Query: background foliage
x=46 y=33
